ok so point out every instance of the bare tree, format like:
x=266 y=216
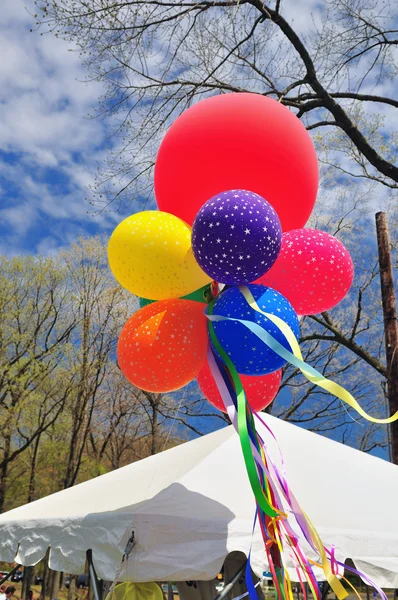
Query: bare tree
x=156 y=58
x=117 y=423
x=333 y=68
x=35 y=328
x=345 y=344
x=101 y=308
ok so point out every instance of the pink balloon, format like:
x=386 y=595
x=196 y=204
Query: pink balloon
x=260 y=390
x=314 y=271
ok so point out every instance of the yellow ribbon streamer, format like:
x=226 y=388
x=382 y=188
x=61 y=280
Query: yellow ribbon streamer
x=319 y=380
x=338 y=391
x=333 y=581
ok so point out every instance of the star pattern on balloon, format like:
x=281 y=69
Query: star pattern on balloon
x=236 y=236
x=314 y=270
x=248 y=353
x=236 y=239
x=163 y=345
x=150 y=254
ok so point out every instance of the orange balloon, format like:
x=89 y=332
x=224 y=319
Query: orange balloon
x=162 y=347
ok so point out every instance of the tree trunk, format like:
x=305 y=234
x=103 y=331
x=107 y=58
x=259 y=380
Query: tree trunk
x=50 y=582
x=106 y=586
x=32 y=475
x=27 y=581
x=71 y=470
x=54 y=585
x=4 y=470
x=24 y=586
x=390 y=324
x=29 y=572
x=72 y=588
x=154 y=426
x=44 y=585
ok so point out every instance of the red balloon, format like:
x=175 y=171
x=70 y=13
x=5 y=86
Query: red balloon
x=237 y=141
x=314 y=271
x=163 y=346
x=260 y=389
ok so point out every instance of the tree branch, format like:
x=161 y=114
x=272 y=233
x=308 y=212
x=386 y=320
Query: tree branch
x=327 y=322
x=327 y=101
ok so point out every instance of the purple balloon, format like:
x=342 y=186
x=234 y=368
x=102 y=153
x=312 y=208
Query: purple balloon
x=236 y=237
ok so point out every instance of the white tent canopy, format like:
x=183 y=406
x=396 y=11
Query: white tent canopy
x=190 y=506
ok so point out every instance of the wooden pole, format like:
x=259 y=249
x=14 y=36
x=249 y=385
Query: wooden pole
x=390 y=324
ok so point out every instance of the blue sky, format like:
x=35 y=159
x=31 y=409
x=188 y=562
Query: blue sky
x=49 y=148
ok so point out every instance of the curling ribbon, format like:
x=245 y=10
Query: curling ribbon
x=229 y=397
x=263 y=501
x=243 y=432
x=295 y=357
x=249 y=436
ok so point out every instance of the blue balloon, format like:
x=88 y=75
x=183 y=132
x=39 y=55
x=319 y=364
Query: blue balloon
x=248 y=353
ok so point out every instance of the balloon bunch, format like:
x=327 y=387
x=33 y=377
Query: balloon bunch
x=220 y=302
x=162 y=347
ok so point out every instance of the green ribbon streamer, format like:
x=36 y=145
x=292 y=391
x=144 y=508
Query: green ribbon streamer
x=200 y=295
x=243 y=426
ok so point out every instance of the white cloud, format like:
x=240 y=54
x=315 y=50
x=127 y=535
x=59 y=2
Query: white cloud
x=19 y=218
x=49 y=147
x=48 y=246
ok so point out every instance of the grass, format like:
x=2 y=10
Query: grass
x=81 y=594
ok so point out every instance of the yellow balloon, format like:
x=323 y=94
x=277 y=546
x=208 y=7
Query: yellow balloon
x=136 y=591
x=150 y=254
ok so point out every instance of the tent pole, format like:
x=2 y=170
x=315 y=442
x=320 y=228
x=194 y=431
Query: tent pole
x=170 y=594
x=325 y=590
x=231 y=584
x=10 y=574
x=93 y=575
